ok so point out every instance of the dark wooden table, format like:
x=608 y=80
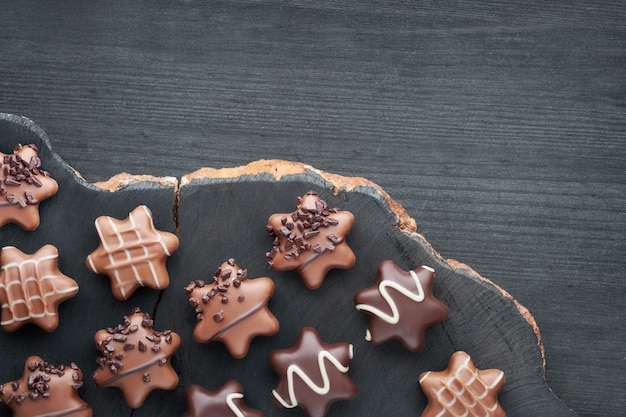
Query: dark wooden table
x=501 y=128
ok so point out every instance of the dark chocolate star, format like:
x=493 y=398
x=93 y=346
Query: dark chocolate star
x=312 y=374
x=225 y=402
x=310 y=240
x=400 y=305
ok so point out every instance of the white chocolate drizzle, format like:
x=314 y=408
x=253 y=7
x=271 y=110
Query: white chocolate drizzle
x=318 y=389
x=394 y=317
x=14 y=274
x=230 y=401
x=120 y=245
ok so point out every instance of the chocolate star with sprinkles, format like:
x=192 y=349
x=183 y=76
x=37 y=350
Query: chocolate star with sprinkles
x=225 y=402
x=135 y=358
x=46 y=390
x=401 y=305
x=310 y=240
x=462 y=390
x=32 y=287
x=23 y=185
x=312 y=374
x=232 y=308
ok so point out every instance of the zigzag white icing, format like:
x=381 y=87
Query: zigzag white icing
x=394 y=318
x=320 y=390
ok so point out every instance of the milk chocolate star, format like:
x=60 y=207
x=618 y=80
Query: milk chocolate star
x=462 y=390
x=135 y=358
x=310 y=240
x=32 y=287
x=232 y=309
x=132 y=253
x=23 y=185
x=46 y=390
x=400 y=305
x=312 y=374
x=226 y=402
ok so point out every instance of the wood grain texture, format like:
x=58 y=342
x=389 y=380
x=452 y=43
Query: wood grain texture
x=500 y=127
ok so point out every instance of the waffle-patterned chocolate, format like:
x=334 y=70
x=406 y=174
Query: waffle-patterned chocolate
x=225 y=402
x=312 y=374
x=46 y=390
x=32 y=287
x=232 y=308
x=132 y=253
x=400 y=305
x=23 y=185
x=310 y=240
x=462 y=390
x=136 y=358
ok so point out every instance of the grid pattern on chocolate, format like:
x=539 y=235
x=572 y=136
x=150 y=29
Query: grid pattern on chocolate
x=464 y=393
x=131 y=252
x=26 y=292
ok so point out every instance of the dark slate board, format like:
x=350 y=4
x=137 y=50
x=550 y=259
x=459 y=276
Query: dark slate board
x=220 y=218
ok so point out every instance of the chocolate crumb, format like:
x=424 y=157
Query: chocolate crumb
x=219 y=316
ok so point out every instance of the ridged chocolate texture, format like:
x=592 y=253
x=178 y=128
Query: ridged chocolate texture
x=225 y=402
x=312 y=374
x=401 y=305
x=462 y=390
x=23 y=186
x=46 y=390
x=232 y=308
x=310 y=240
x=32 y=287
x=135 y=358
x=132 y=253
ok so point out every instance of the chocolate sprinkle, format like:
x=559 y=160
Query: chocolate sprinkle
x=219 y=316
x=17 y=171
x=308 y=224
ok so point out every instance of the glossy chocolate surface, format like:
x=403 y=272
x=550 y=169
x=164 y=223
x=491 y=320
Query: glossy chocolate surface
x=313 y=374
x=46 y=390
x=232 y=308
x=32 y=287
x=132 y=252
x=311 y=240
x=135 y=358
x=225 y=402
x=462 y=390
x=23 y=185
x=401 y=305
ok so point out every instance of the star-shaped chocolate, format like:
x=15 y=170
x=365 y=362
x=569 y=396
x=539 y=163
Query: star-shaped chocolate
x=23 y=185
x=46 y=390
x=462 y=390
x=226 y=402
x=32 y=287
x=312 y=374
x=132 y=253
x=310 y=240
x=232 y=309
x=135 y=358
x=401 y=305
